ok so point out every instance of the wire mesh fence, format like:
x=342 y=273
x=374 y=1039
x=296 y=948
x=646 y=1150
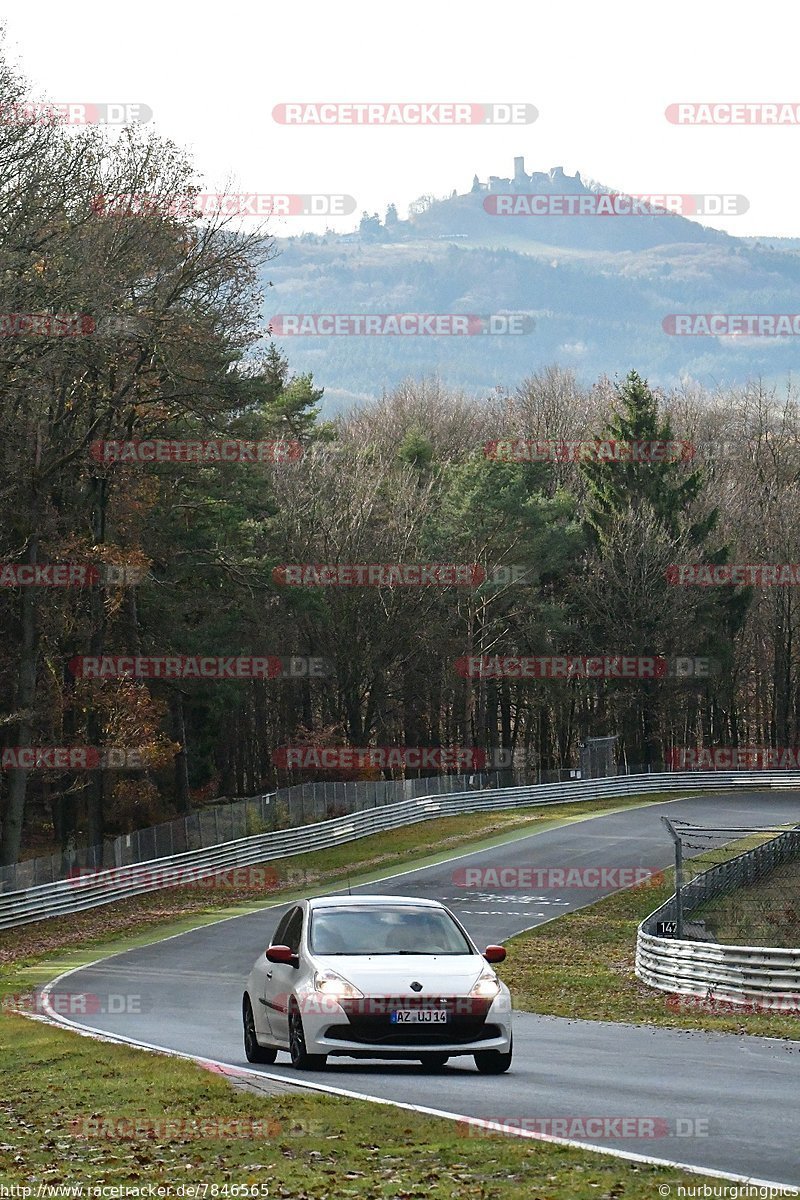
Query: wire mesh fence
x=226 y=821
x=736 y=886
x=301 y=804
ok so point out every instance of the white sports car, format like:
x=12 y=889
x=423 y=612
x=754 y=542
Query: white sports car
x=376 y=977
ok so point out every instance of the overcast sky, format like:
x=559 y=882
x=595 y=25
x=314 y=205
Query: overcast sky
x=599 y=75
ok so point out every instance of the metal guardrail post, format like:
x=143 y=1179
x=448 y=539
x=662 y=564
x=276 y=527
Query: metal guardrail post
x=678 y=876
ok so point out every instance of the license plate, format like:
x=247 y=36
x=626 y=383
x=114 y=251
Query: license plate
x=419 y=1016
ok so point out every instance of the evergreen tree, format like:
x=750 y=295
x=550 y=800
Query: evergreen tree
x=642 y=516
x=665 y=486
x=370 y=227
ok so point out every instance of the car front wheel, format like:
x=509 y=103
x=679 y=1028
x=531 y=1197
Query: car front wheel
x=301 y=1059
x=253 y=1052
x=493 y=1062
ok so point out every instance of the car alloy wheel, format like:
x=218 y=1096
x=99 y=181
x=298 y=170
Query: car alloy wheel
x=301 y=1059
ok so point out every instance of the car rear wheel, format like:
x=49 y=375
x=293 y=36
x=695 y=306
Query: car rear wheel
x=301 y=1059
x=493 y=1062
x=253 y=1052
x=434 y=1062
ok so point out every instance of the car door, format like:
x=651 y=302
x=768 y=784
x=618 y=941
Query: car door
x=268 y=989
x=281 y=978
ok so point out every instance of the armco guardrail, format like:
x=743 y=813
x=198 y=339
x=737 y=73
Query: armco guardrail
x=70 y=896
x=300 y=804
x=766 y=976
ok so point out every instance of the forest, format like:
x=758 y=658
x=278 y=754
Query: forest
x=125 y=328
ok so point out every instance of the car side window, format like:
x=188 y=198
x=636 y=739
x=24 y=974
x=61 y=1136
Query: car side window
x=279 y=937
x=293 y=930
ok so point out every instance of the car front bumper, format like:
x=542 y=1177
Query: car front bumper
x=364 y=1029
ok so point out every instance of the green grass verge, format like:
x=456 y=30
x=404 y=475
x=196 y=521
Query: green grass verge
x=765 y=914
x=292 y=1147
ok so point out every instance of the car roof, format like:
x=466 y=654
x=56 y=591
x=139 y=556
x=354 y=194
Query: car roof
x=377 y=901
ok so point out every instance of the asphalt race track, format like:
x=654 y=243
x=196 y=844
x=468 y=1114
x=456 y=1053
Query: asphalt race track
x=744 y=1091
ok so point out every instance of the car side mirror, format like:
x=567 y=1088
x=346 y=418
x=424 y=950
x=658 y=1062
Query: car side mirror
x=494 y=954
x=282 y=954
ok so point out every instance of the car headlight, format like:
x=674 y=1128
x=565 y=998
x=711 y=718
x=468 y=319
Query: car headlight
x=486 y=986
x=328 y=983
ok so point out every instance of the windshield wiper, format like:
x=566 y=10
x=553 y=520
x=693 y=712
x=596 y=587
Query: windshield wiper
x=425 y=952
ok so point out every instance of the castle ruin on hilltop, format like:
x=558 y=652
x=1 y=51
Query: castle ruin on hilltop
x=545 y=181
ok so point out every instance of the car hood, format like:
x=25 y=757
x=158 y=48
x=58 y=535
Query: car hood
x=393 y=974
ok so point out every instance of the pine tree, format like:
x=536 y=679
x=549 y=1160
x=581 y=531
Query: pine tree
x=641 y=515
x=665 y=486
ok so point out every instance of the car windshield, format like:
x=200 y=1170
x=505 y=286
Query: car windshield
x=391 y=930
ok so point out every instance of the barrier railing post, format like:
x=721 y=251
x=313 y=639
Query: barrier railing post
x=678 y=876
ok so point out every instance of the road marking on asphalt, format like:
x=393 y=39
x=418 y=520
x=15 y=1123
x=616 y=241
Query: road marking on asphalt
x=510 y=898
x=122 y=970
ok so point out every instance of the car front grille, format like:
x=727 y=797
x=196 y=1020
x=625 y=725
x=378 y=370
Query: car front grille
x=370 y=1023
x=409 y=1035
